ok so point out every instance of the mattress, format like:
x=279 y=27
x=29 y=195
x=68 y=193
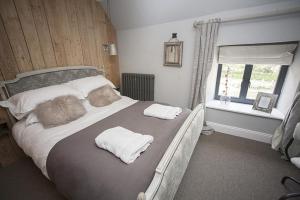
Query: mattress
x=37 y=142
x=80 y=169
x=68 y=156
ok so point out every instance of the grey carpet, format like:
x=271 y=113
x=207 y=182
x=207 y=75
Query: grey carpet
x=225 y=167
x=24 y=181
x=7 y=153
x=222 y=167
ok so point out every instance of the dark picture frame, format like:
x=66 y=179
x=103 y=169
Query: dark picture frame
x=173 y=54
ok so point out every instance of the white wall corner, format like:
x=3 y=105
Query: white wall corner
x=240 y=132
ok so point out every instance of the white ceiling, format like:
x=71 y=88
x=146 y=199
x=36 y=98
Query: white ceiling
x=128 y=14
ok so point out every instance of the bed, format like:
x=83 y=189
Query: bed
x=155 y=175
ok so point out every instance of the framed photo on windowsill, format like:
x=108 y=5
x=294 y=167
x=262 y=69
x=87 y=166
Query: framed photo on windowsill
x=265 y=102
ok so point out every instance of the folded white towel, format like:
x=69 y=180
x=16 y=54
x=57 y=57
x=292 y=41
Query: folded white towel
x=123 y=143
x=162 y=111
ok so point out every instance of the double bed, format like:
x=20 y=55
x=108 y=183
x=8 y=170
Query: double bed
x=68 y=156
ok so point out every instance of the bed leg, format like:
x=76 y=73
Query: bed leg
x=141 y=196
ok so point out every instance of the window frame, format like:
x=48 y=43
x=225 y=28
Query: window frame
x=246 y=82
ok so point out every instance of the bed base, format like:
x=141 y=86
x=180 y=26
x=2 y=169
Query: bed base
x=43 y=78
x=172 y=167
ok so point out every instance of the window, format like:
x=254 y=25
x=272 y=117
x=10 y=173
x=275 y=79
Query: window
x=242 y=82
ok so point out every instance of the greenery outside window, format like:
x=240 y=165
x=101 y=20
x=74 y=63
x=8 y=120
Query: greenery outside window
x=244 y=81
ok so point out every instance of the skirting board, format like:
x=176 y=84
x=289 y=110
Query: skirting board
x=240 y=132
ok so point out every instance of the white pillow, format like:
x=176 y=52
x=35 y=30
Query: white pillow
x=31 y=119
x=85 y=85
x=22 y=103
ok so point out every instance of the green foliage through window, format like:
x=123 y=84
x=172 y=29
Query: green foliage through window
x=242 y=82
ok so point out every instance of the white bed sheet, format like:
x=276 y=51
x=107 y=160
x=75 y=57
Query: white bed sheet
x=37 y=142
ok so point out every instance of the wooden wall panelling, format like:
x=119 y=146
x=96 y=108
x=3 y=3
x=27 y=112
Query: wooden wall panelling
x=86 y=30
x=113 y=60
x=91 y=31
x=102 y=33
x=99 y=11
x=15 y=34
x=105 y=56
x=87 y=60
x=75 y=55
x=99 y=20
x=108 y=57
x=52 y=33
x=1 y=78
x=30 y=33
x=8 y=64
x=43 y=32
x=57 y=20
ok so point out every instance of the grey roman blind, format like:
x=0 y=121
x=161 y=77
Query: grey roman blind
x=282 y=54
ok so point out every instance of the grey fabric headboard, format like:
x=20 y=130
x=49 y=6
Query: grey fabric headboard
x=43 y=78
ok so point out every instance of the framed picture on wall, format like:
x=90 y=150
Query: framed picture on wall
x=173 y=54
x=265 y=102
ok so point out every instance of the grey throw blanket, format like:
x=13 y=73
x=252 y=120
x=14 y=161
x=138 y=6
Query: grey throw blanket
x=81 y=170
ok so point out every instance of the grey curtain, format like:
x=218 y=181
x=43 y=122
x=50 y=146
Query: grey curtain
x=206 y=37
x=284 y=132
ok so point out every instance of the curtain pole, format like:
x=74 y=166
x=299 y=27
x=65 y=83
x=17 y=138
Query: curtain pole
x=257 y=15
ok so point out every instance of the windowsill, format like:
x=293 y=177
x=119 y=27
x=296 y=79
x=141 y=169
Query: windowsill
x=244 y=109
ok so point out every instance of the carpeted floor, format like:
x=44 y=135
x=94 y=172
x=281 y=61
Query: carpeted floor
x=222 y=167
x=225 y=167
x=7 y=153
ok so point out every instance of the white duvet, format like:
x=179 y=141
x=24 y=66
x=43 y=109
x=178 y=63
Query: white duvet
x=37 y=141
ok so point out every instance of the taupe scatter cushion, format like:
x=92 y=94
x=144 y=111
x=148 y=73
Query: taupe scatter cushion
x=59 y=111
x=103 y=96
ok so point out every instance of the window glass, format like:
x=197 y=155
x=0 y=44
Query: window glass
x=263 y=79
x=231 y=79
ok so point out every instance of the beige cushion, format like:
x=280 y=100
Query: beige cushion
x=59 y=111
x=103 y=96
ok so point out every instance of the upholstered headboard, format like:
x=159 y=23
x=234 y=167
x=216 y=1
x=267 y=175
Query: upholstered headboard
x=43 y=78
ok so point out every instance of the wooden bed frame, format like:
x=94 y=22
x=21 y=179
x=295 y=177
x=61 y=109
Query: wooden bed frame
x=172 y=166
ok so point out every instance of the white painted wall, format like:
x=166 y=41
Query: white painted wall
x=141 y=51
x=126 y=14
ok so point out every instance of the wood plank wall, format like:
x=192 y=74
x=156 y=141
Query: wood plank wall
x=37 y=34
